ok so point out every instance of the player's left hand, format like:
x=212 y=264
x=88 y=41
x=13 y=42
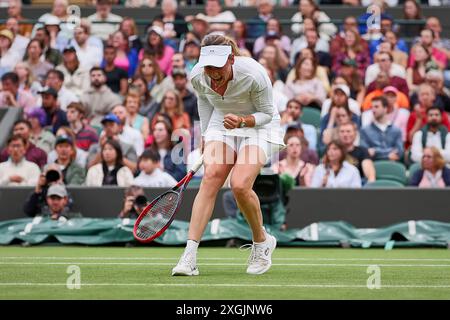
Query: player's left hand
x=231 y=121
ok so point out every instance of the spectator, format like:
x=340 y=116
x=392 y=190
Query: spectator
x=188 y=98
x=155 y=47
x=434 y=24
x=129 y=28
x=239 y=35
x=80 y=155
x=116 y=78
x=309 y=9
x=335 y=171
x=150 y=71
x=99 y=99
x=397 y=115
x=191 y=53
x=15 y=11
x=412 y=11
x=434 y=173
x=292 y=116
x=51 y=55
x=134 y=202
x=427 y=39
x=433 y=134
x=218 y=20
x=174 y=25
x=27 y=82
x=308 y=154
x=32 y=153
x=293 y=165
x=55 y=80
x=73 y=173
x=311 y=39
x=20 y=42
x=76 y=78
x=9 y=56
x=88 y=54
x=422 y=63
x=38 y=67
x=12 y=95
x=352 y=49
x=338 y=41
x=85 y=135
x=111 y=131
x=151 y=175
x=134 y=119
x=18 y=171
x=162 y=133
x=40 y=137
x=111 y=170
x=382 y=139
x=342 y=96
x=173 y=106
x=306 y=87
x=435 y=79
x=55 y=116
x=126 y=58
x=199 y=26
x=356 y=155
x=273 y=35
x=127 y=133
x=57 y=201
x=277 y=59
x=384 y=62
x=149 y=106
x=258 y=26
x=279 y=98
x=349 y=75
x=390 y=44
x=103 y=21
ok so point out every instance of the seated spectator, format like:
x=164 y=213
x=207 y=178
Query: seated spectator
x=39 y=68
x=79 y=154
x=32 y=153
x=134 y=119
x=218 y=20
x=41 y=138
x=309 y=9
x=356 y=155
x=126 y=58
x=293 y=165
x=9 y=56
x=397 y=115
x=172 y=105
x=148 y=107
x=279 y=98
x=73 y=173
x=338 y=41
x=384 y=62
x=134 y=202
x=55 y=117
x=188 y=97
x=162 y=133
x=435 y=79
x=84 y=133
x=111 y=170
x=116 y=78
x=126 y=133
x=27 y=82
x=12 y=95
x=427 y=38
x=417 y=119
x=382 y=139
x=150 y=71
x=76 y=78
x=339 y=95
x=51 y=55
x=15 y=11
x=312 y=39
x=390 y=44
x=129 y=28
x=434 y=173
x=421 y=64
x=273 y=35
x=239 y=35
x=276 y=59
x=191 y=53
x=154 y=47
x=308 y=155
x=349 y=75
x=151 y=175
x=199 y=25
x=433 y=134
x=265 y=12
x=57 y=200
x=382 y=81
x=108 y=21
x=18 y=171
x=55 y=80
x=412 y=12
x=292 y=116
x=98 y=99
x=20 y=42
x=89 y=54
x=352 y=49
x=306 y=87
x=335 y=171
x=173 y=20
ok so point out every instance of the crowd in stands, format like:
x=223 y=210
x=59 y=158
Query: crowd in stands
x=102 y=102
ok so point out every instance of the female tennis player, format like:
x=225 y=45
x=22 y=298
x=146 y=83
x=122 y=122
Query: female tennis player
x=240 y=131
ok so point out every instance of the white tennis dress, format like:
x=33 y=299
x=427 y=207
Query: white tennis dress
x=248 y=93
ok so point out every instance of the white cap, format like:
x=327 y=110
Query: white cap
x=215 y=56
x=158 y=30
x=52 y=21
x=343 y=87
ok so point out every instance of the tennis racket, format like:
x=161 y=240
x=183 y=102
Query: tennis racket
x=159 y=214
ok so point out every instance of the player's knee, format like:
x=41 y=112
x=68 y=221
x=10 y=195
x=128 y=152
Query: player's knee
x=212 y=180
x=240 y=188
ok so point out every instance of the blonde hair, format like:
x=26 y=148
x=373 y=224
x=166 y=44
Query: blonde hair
x=220 y=40
x=439 y=161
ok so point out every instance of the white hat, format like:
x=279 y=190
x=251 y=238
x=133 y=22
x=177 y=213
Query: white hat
x=158 y=30
x=343 y=87
x=215 y=56
x=52 y=21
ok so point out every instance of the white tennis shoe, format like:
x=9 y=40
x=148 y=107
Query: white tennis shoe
x=260 y=259
x=187 y=265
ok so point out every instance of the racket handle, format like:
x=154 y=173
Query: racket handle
x=197 y=164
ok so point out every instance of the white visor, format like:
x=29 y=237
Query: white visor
x=215 y=56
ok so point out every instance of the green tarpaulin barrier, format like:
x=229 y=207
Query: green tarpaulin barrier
x=89 y=231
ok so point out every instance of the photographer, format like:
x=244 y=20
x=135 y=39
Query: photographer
x=134 y=202
x=36 y=203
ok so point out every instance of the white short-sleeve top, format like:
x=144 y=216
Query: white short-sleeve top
x=248 y=93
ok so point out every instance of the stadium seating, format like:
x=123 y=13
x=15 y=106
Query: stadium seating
x=384 y=184
x=311 y=116
x=412 y=169
x=390 y=170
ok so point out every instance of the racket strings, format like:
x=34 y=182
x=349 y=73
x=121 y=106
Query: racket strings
x=158 y=216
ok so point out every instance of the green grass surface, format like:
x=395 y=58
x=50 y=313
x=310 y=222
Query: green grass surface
x=297 y=273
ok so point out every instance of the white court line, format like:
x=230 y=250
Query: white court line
x=220 y=259
x=31 y=284
x=74 y=261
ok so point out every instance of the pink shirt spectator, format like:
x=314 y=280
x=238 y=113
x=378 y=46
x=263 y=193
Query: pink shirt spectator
x=24 y=98
x=313 y=87
x=165 y=62
x=122 y=63
x=438 y=55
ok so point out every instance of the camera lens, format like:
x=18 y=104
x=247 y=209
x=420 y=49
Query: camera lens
x=52 y=176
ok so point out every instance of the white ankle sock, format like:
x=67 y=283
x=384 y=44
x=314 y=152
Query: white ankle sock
x=192 y=245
